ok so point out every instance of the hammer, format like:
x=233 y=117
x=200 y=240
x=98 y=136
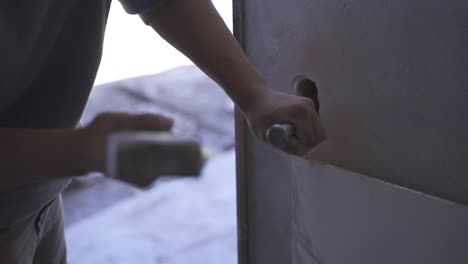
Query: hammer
x=139 y=158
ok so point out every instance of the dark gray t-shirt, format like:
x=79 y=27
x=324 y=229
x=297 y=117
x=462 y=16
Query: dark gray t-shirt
x=49 y=55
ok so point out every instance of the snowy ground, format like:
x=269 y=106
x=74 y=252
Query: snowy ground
x=179 y=222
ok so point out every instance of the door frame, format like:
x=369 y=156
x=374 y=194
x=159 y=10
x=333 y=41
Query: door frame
x=241 y=130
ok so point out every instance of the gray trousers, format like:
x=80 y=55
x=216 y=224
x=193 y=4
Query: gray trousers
x=38 y=239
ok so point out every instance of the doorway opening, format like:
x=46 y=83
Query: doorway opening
x=189 y=220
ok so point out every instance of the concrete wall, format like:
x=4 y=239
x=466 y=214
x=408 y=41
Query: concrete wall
x=392 y=78
x=393 y=85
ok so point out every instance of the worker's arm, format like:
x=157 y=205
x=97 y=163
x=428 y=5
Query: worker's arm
x=31 y=156
x=196 y=29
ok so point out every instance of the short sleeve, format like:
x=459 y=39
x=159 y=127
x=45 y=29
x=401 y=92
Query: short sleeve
x=145 y=8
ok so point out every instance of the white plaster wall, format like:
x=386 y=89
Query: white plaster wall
x=341 y=217
x=392 y=83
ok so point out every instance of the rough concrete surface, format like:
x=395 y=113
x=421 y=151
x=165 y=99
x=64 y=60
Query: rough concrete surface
x=202 y=111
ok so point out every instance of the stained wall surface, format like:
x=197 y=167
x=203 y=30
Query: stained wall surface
x=393 y=85
x=392 y=79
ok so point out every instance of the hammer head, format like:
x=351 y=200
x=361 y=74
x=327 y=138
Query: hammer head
x=139 y=158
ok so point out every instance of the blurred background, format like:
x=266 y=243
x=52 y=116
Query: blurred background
x=190 y=220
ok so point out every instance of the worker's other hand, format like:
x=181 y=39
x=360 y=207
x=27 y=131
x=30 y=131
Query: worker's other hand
x=93 y=138
x=273 y=107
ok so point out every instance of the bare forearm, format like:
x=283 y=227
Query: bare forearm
x=196 y=29
x=30 y=156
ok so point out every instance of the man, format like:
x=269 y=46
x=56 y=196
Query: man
x=50 y=52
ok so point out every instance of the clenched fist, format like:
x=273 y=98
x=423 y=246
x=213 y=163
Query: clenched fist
x=273 y=107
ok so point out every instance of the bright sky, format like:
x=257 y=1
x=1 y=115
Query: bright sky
x=133 y=49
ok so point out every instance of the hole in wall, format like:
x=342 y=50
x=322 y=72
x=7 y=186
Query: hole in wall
x=307 y=88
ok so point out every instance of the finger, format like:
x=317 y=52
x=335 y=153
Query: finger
x=319 y=129
x=151 y=122
x=295 y=147
x=313 y=131
x=315 y=106
x=306 y=129
x=305 y=133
